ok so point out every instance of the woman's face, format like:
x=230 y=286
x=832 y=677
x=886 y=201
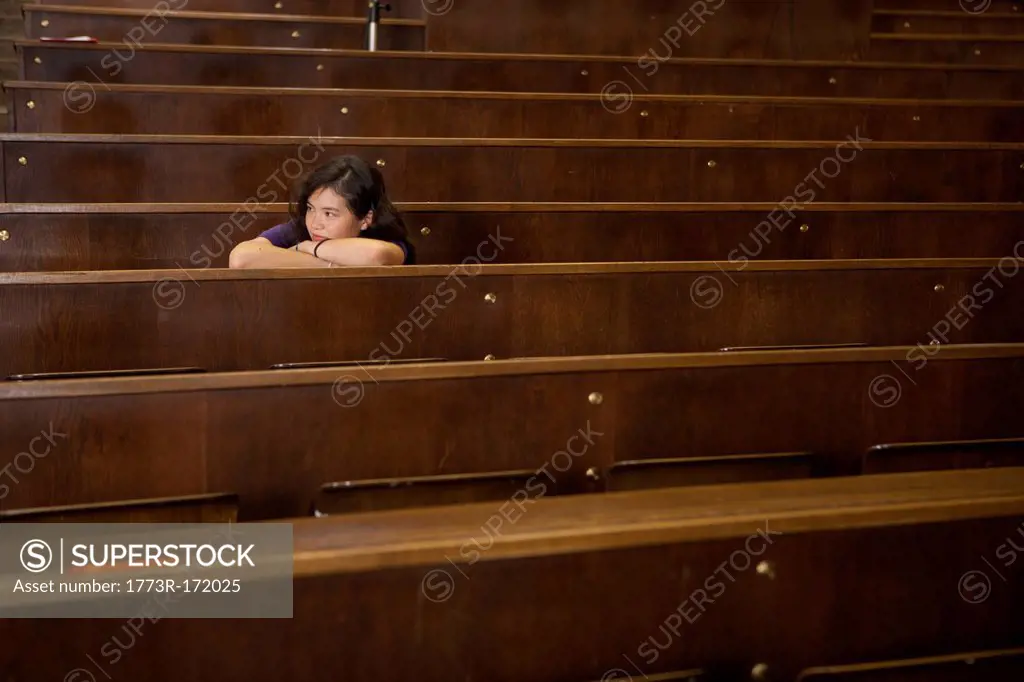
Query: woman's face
x=329 y=217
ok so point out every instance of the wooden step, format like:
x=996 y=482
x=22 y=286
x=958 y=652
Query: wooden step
x=617 y=77
x=946 y=23
x=134 y=27
x=63 y=237
x=80 y=107
x=176 y=168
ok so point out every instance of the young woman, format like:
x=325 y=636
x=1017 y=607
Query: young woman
x=341 y=215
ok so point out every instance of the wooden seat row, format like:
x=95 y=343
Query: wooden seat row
x=766 y=29
x=953 y=21
x=772 y=29
x=414 y=409
x=54 y=107
x=166 y=64
x=955 y=49
x=330 y=8
x=135 y=27
x=974 y=10
x=369 y=435
x=965 y=45
x=860 y=579
x=228 y=320
x=54 y=237
x=177 y=168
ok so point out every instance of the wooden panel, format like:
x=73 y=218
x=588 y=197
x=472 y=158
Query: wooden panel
x=205 y=319
x=949 y=49
x=670 y=472
x=195 y=28
x=381 y=422
x=221 y=111
x=211 y=508
x=948 y=23
x=336 y=8
x=971 y=7
x=656 y=29
x=185 y=169
x=112 y=237
x=618 y=78
x=895 y=457
x=864 y=577
x=69 y=447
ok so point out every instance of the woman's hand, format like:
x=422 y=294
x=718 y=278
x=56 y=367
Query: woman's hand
x=259 y=253
x=305 y=247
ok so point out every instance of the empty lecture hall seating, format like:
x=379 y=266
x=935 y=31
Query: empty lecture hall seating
x=708 y=368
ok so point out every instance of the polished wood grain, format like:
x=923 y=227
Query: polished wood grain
x=616 y=76
x=95 y=321
x=121 y=168
x=372 y=422
x=857 y=571
x=132 y=28
x=198 y=110
x=56 y=237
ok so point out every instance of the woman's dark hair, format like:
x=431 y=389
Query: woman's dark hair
x=363 y=188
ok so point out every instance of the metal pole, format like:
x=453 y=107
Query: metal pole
x=374 y=23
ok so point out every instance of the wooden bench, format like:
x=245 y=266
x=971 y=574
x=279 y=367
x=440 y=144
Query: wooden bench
x=173 y=168
x=880 y=578
x=207 y=319
x=48 y=237
x=135 y=27
x=947 y=22
x=208 y=110
x=762 y=29
x=993 y=7
x=616 y=76
x=334 y=8
x=954 y=49
x=368 y=436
